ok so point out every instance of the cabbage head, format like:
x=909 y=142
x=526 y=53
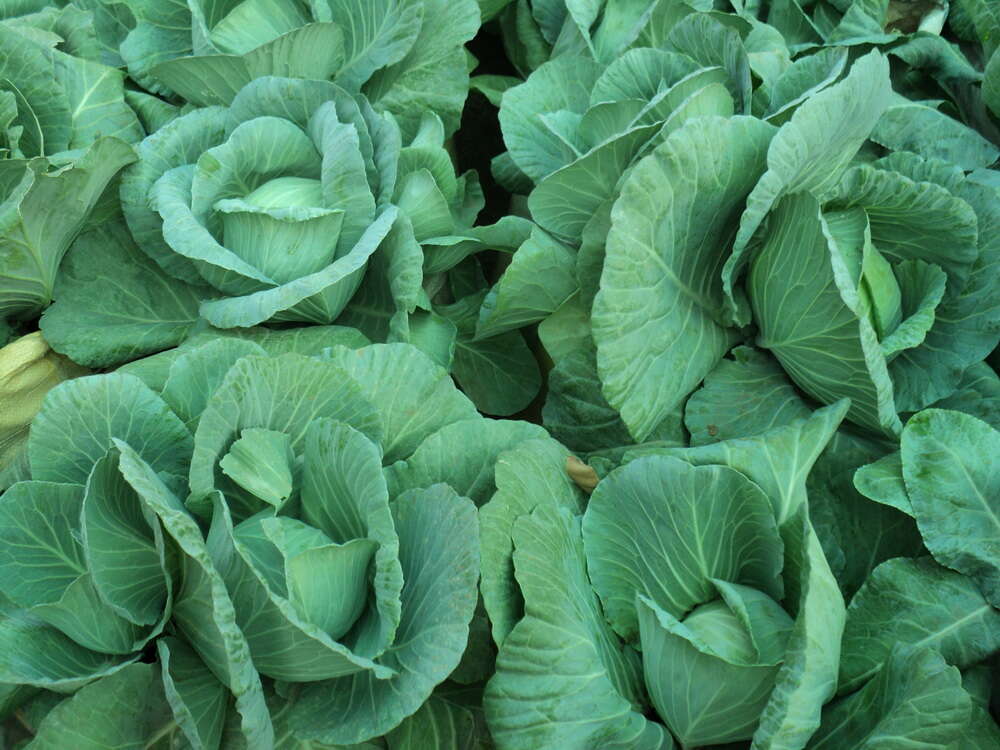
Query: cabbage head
x=868 y=271
x=276 y=202
x=689 y=601
x=230 y=542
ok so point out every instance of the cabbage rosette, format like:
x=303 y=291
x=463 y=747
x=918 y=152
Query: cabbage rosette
x=891 y=256
x=298 y=203
x=324 y=573
x=232 y=517
x=693 y=583
x=896 y=258
x=277 y=202
x=636 y=145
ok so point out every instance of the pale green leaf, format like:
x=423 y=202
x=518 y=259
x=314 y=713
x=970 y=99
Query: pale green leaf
x=114 y=304
x=124 y=548
x=41 y=553
x=563 y=678
x=804 y=78
x=893 y=707
x=391 y=286
x=198 y=370
x=413 y=395
x=80 y=418
x=540 y=277
x=965 y=324
x=656 y=317
x=743 y=396
x=949 y=466
x=260 y=461
x=43 y=214
x=710 y=43
x=179 y=142
x=918 y=603
x=34 y=653
x=563 y=84
x=95 y=95
x=461 y=455
x=199 y=701
x=808 y=677
x=344 y=494
x=438 y=599
x=439 y=723
x=203 y=612
x=310 y=51
x=528 y=475
x=567 y=330
x=930 y=133
x=882 y=481
x=914 y=220
x=433 y=76
x=778 y=461
x=317 y=297
x=718 y=524
x=310 y=340
x=376 y=34
x=284 y=644
x=565 y=199
x=706 y=693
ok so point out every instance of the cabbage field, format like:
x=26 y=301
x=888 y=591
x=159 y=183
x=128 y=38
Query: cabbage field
x=499 y=374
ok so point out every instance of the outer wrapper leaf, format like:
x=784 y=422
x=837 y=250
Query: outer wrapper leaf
x=528 y=475
x=563 y=678
x=433 y=75
x=33 y=653
x=778 y=461
x=121 y=710
x=92 y=411
x=951 y=475
x=894 y=706
x=41 y=215
x=916 y=601
x=658 y=335
x=114 y=304
x=743 y=396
